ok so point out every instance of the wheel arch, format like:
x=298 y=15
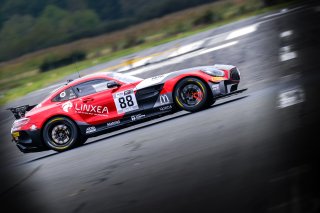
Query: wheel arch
x=192 y=76
x=52 y=117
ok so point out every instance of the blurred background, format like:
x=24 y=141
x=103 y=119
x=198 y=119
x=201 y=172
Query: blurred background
x=38 y=36
x=257 y=152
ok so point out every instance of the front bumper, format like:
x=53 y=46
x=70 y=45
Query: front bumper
x=28 y=141
x=223 y=87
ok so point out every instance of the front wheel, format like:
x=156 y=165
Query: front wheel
x=191 y=94
x=60 y=134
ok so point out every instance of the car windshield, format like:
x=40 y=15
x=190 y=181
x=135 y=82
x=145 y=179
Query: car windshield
x=124 y=78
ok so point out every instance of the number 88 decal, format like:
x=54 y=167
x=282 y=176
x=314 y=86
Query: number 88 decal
x=124 y=102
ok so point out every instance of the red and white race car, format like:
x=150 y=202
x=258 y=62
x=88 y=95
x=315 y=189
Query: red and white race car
x=97 y=103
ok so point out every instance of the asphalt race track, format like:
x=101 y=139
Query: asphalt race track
x=255 y=152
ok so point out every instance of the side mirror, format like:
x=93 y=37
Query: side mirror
x=113 y=84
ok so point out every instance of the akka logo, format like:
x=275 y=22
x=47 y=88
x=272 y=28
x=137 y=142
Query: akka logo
x=66 y=106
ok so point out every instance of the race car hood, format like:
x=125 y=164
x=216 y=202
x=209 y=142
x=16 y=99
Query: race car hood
x=161 y=79
x=152 y=81
x=223 y=66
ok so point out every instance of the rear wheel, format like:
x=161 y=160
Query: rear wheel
x=61 y=134
x=191 y=94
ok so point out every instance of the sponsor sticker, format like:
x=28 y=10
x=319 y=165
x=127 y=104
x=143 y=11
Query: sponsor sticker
x=86 y=109
x=164 y=99
x=137 y=117
x=113 y=123
x=91 y=109
x=215 y=87
x=127 y=92
x=33 y=127
x=66 y=106
x=158 y=77
x=90 y=129
x=164 y=108
x=63 y=94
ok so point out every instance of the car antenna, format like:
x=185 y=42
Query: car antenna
x=77 y=70
x=75 y=64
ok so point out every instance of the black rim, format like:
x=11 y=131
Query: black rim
x=60 y=134
x=191 y=94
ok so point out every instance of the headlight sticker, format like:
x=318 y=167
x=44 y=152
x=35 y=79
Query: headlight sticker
x=213 y=71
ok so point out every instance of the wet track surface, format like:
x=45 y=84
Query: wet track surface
x=255 y=152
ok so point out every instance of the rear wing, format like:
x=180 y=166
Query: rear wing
x=20 y=111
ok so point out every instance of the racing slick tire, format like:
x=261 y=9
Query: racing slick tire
x=61 y=134
x=191 y=94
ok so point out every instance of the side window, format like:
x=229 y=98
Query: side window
x=65 y=95
x=91 y=87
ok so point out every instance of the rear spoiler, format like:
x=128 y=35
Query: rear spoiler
x=20 y=111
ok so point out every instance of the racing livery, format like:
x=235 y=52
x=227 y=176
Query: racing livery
x=97 y=103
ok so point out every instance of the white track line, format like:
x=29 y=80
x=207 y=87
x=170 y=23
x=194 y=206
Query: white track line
x=286 y=33
x=242 y=31
x=187 y=48
x=193 y=47
x=249 y=29
x=205 y=51
x=283 y=11
x=290 y=97
x=179 y=59
x=286 y=54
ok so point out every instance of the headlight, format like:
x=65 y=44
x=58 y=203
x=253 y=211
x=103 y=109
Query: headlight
x=17 y=124
x=213 y=71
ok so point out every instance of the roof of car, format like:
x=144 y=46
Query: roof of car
x=79 y=80
x=88 y=77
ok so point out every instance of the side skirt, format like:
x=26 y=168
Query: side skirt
x=92 y=131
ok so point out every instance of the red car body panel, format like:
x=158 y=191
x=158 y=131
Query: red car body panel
x=99 y=109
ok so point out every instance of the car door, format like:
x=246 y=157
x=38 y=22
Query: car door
x=95 y=104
